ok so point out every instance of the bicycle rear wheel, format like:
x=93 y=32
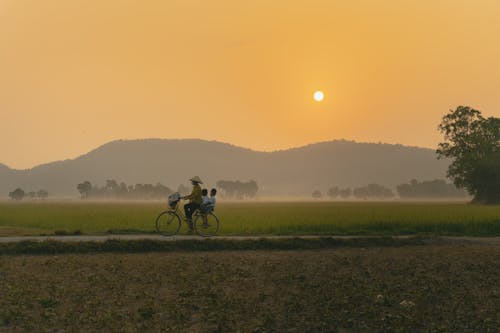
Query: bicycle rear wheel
x=206 y=225
x=168 y=223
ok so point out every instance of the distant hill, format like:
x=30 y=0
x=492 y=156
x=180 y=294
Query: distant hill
x=296 y=171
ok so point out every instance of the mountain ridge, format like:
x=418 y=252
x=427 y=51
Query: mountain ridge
x=110 y=143
x=293 y=171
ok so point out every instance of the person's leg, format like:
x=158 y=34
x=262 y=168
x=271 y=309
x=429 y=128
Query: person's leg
x=188 y=210
x=194 y=206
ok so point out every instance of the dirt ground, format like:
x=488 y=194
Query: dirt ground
x=433 y=288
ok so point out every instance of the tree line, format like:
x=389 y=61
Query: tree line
x=370 y=191
x=237 y=189
x=114 y=190
x=438 y=188
x=19 y=194
x=430 y=189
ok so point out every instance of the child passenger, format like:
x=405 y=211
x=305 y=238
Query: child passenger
x=205 y=200
x=208 y=203
x=213 y=192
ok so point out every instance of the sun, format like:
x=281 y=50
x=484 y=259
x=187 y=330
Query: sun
x=318 y=96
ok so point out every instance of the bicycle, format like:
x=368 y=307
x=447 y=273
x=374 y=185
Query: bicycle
x=168 y=222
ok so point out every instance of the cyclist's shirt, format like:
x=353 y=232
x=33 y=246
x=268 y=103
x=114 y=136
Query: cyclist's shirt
x=195 y=195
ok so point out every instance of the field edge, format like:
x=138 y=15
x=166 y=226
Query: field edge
x=31 y=247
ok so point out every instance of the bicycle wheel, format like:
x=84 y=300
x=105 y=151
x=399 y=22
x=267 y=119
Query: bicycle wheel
x=206 y=225
x=168 y=223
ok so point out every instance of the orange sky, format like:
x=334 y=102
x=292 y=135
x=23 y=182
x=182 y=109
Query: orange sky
x=76 y=74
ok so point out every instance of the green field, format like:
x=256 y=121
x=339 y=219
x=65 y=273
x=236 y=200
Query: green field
x=254 y=218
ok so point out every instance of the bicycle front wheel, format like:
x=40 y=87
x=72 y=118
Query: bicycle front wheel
x=206 y=225
x=168 y=223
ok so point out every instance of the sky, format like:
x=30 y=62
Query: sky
x=77 y=74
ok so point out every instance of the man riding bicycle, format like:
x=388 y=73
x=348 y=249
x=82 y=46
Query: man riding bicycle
x=202 y=221
x=194 y=200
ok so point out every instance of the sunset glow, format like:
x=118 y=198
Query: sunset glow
x=77 y=74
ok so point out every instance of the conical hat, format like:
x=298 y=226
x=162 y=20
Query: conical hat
x=196 y=179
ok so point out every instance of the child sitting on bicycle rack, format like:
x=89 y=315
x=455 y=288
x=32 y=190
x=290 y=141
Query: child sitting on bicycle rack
x=205 y=201
x=213 y=192
x=208 y=203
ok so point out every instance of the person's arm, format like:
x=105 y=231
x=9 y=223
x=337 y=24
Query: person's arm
x=189 y=196
x=196 y=191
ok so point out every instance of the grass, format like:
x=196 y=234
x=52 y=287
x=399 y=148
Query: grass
x=214 y=244
x=390 y=289
x=261 y=218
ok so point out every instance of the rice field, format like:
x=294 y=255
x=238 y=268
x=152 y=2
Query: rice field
x=259 y=218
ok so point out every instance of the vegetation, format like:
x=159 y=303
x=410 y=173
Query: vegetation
x=317 y=194
x=205 y=244
x=123 y=191
x=345 y=193
x=430 y=189
x=19 y=194
x=473 y=144
x=114 y=190
x=336 y=192
x=42 y=194
x=237 y=189
x=255 y=218
x=373 y=191
x=403 y=289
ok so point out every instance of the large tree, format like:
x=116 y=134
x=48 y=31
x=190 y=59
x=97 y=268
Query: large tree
x=472 y=142
x=84 y=189
x=17 y=194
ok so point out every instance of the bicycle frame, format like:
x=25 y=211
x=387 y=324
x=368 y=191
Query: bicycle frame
x=180 y=212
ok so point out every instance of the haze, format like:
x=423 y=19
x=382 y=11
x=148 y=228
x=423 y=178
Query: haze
x=76 y=74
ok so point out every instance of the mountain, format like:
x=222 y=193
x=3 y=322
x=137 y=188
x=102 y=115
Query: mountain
x=296 y=171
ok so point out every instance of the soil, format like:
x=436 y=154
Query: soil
x=431 y=288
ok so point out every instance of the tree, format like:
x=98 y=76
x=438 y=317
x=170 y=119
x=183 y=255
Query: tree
x=333 y=192
x=42 y=194
x=111 y=186
x=84 y=188
x=17 y=194
x=436 y=189
x=345 y=193
x=374 y=191
x=316 y=194
x=237 y=189
x=472 y=142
